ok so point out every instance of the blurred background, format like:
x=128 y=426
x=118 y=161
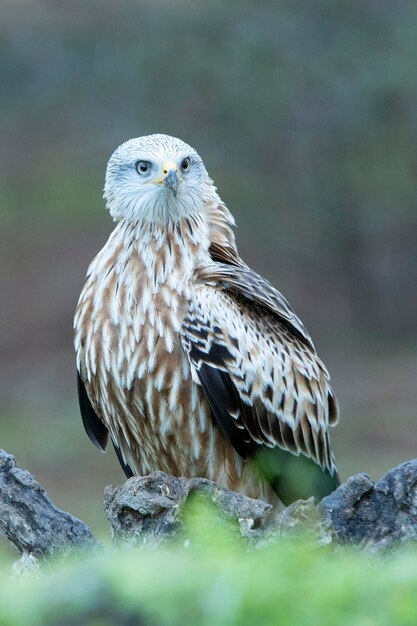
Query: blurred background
x=306 y=117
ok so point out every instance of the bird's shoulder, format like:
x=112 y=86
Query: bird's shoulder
x=238 y=283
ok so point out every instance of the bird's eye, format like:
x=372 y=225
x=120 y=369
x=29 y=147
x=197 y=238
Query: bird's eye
x=143 y=167
x=185 y=165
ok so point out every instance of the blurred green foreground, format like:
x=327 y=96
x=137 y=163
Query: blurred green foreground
x=216 y=581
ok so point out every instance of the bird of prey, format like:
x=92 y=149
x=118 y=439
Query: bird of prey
x=192 y=362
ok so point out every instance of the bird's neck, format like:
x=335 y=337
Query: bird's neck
x=163 y=253
x=181 y=244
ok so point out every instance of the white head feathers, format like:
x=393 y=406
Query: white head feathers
x=156 y=178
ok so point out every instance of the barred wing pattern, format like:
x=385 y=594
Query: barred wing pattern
x=268 y=391
x=256 y=288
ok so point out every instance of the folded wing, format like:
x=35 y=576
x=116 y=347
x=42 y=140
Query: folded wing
x=268 y=391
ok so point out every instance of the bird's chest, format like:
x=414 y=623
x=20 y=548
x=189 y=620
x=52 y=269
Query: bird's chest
x=130 y=356
x=150 y=395
x=137 y=365
x=140 y=340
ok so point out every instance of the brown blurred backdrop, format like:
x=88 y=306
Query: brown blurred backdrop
x=306 y=117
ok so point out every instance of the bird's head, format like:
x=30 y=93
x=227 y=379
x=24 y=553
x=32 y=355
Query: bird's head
x=155 y=178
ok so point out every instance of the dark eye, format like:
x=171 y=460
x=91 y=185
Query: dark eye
x=143 y=167
x=185 y=165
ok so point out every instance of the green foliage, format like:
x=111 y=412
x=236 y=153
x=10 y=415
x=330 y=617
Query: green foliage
x=216 y=580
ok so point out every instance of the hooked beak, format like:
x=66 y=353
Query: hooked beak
x=171 y=181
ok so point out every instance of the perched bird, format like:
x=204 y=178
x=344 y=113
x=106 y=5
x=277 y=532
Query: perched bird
x=193 y=363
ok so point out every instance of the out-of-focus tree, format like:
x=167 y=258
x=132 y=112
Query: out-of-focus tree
x=305 y=112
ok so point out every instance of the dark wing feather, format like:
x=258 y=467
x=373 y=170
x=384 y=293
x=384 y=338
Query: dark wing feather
x=93 y=425
x=126 y=468
x=224 y=403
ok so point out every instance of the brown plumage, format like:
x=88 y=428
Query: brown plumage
x=193 y=363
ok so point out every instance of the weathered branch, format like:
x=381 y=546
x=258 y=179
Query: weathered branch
x=150 y=509
x=378 y=516
x=29 y=519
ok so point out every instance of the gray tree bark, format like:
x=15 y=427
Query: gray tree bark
x=150 y=510
x=377 y=516
x=31 y=522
